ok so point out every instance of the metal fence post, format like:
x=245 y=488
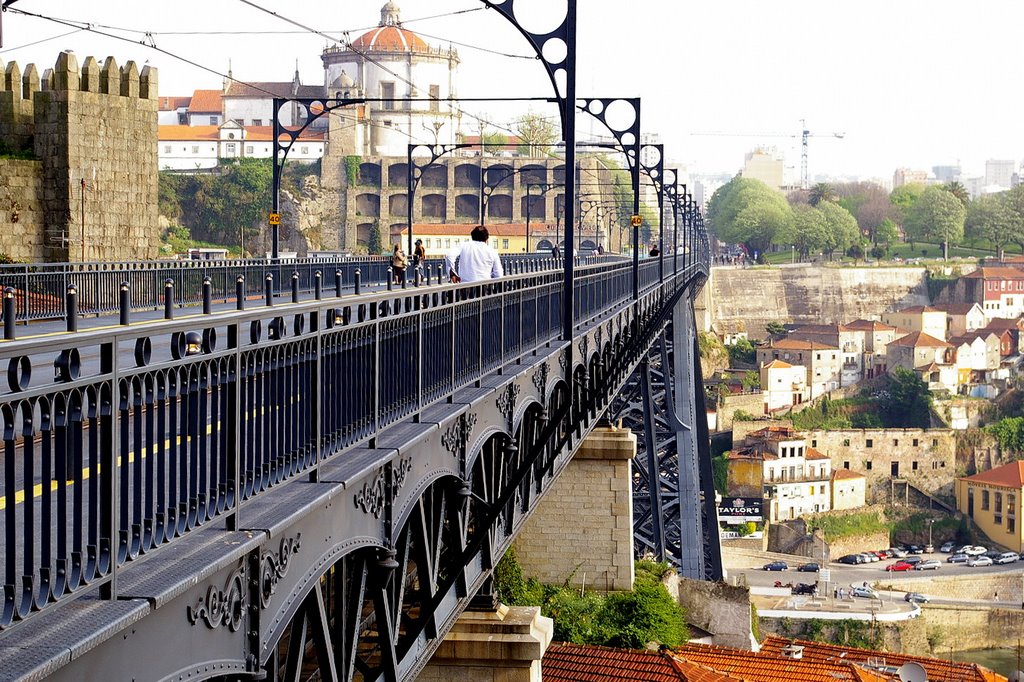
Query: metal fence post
x=295 y=286
x=357 y=278
x=71 y=307
x=9 y=313
x=240 y=292
x=125 y=303
x=207 y=296
x=318 y=285
x=268 y=289
x=168 y=299
x=337 y=283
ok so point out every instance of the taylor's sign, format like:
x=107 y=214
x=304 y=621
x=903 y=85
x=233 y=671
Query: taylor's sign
x=739 y=509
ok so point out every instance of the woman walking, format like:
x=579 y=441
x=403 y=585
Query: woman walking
x=398 y=264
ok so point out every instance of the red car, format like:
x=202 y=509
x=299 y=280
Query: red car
x=900 y=566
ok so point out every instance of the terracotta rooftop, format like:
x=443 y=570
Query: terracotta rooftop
x=1007 y=476
x=919 y=340
x=995 y=272
x=869 y=325
x=173 y=103
x=956 y=308
x=580 y=663
x=205 y=102
x=776 y=364
x=772 y=667
x=463 y=229
x=919 y=309
x=819 y=329
x=812 y=453
x=390 y=39
x=798 y=344
x=938 y=669
x=212 y=133
x=1000 y=323
x=841 y=474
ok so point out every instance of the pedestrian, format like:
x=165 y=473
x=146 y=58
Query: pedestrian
x=655 y=252
x=865 y=583
x=398 y=263
x=474 y=260
x=419 y=254
x=555 y=253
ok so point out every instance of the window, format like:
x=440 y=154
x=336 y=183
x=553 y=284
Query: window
x=915 y=442
x=999 y=503
x=435 y=94
x=895 y=442
x=818 y=356
x=387 y=93
x=913 y=465
x=447 y=243
x=846 y=464
x=229 y=147
x=167 y=149
x=303 y=150
x=195 y=149
x=867 y=465
x=504 y=244
x=213 y=120
x=387 y=123
x=426 y=243
x=821 y=490
x=1010 y=524
x=942 y=465
x=814 y=443
x=257 y=121
x=248 y=149
x=984 y=500
x=846 y=442
x=935 y=442
x=869 y=443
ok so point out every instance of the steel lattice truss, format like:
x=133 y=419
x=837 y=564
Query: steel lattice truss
x=656 y=478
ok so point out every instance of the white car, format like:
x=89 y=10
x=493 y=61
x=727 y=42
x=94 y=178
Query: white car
x=928 y=565
x=979 y=561
x=976 y=550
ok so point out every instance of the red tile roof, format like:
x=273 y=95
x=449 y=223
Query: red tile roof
x=869 y=325
x=798 y=344
x=995 y=272
x=270 y=89
x=845 y=474
x=812 y=453
x=173 y=103
x=390 y=39
x=463 y=229
x=776 y=364
x=919 y=309
x=212 y=133
x=205 y=102
x=819 y=329
x=938 y=670
x=957 y=308
x=1008 y=476
x=772 y=667
x=918 y=340
x=581 y=663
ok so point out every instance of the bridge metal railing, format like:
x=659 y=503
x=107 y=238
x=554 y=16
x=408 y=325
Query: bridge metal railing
x=40 y=288
x=117 y=441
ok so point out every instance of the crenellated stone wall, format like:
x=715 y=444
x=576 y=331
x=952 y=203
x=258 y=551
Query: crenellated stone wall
x=88 y=187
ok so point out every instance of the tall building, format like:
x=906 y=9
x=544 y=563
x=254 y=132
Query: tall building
x=764 y=164
x=946 y=174
x=999 y=172
x=906 y=176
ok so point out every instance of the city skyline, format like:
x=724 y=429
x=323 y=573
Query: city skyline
x=880 y=80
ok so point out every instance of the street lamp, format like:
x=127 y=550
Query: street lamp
x=930 y=522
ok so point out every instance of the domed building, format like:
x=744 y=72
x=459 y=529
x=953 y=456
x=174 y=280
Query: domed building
x=390 y=62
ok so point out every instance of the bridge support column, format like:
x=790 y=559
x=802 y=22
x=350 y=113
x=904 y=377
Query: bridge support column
x=504 y=645
x=582 y=531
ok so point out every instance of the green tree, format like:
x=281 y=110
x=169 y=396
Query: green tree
x=840 y=227
x=937 y=215
x=821 y=192
x=494 y=142
x=886 y=234
x=989 y=218
x=536 y=133
x=807 y=232
x=903 y=198
x=907 y=401
x=775 y=328
x=747 y=211
x=374 y=245
x=959 y=191
x=1015 y=206
x=1009 y=432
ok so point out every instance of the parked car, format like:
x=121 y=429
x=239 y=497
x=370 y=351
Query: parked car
x=897 y=552
x=929 y=549
x=957 y=558
x=993 y=554
x=805 y=588
x=808 y=568
x=851 y=559
x=866 y=592
x=915 y=598
x=974 y=550
x=1007 y=558
x=776 y=566
x=946 y=548
x=869 y=556
x=900 y=566
x=915 y=549
x=981 y=560
x=880 y=554
x=913 y=560
x=928 y=565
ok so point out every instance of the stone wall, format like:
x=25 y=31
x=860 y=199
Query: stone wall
x=809 y=294
x=751 y=403
x=582 y=531
x=21 y=216
x=1008 y=585
x=93 y=130
x=718 y=608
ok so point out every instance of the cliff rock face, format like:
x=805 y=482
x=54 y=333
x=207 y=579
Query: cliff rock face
x=309 y=221
x=807 y=294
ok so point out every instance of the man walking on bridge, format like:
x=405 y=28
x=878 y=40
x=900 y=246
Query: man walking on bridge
x=474 y=260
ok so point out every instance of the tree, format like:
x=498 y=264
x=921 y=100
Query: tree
x=868 y=202
x=373 y=245
x=903 y=198
x=806 y=232
x=886 y=234
x=936 y=215
x=536 y=133
x=840 y=227
x=907 y=402
x=821 y=192
x=989 y=218
x=959 y=191
x=494 y=142
x=1015 y=208
x=747 y=211
x=775 y=328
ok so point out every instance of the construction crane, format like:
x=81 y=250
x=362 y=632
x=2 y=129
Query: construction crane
x=804 y=135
